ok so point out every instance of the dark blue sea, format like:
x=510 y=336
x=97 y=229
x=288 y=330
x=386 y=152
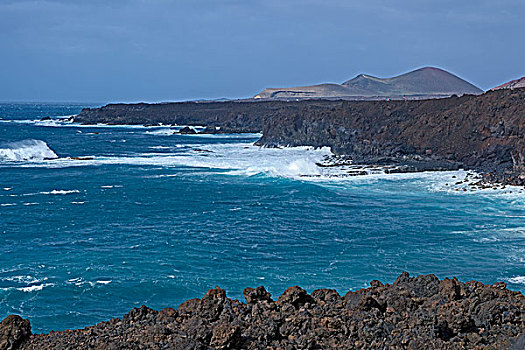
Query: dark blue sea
x=96 y=220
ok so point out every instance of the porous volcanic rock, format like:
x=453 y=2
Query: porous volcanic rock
x=412 y=313
x=13 y=331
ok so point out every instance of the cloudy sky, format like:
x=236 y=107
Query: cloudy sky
x=158 y=50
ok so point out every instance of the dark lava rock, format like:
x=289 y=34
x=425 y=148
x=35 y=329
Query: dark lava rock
x=420 y=312
x=13 y=331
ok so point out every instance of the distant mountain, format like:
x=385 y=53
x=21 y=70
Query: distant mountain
x=421 y=83
x=513 y=84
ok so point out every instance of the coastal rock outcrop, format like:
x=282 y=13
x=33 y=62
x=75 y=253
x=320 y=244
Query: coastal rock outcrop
x=420 y=312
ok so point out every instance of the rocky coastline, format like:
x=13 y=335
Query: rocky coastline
x=483 y=133
x=420 y=312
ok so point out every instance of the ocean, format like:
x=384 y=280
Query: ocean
x=96 y=220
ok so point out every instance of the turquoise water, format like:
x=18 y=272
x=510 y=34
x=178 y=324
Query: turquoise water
x=148 y=217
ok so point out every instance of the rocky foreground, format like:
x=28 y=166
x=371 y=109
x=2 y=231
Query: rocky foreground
x=412 y=313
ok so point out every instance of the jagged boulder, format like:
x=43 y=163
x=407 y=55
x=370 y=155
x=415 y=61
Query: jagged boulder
x=13 y=331
x=255 y=295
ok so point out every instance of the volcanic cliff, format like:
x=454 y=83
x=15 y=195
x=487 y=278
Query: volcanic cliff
x=480 y=132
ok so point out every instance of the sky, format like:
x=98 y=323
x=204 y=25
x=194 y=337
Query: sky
x=172 y=50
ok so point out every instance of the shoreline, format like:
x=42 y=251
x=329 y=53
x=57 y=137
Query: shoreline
x=412 y=312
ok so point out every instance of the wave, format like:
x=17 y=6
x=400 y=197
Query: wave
x=26 y=150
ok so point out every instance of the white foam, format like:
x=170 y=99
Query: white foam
x=245 y=159
x=66 y=122
x=235 y=158
x=517 y=280
x=26 y=150
x=61 y=192
x=159 y=147
x=162 y=132
x=35 y=288
x=76 y=281
x=23 y=279
x=228 y=136
x=104 y=282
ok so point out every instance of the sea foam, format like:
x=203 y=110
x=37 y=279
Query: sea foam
x=517 y=280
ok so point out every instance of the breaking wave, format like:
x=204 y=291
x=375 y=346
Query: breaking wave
x=26 y=150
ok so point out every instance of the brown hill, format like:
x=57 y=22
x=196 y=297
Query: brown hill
x=428 y=82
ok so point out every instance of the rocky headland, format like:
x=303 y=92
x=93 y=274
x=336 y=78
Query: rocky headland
x=420 y=312
x=484 y=133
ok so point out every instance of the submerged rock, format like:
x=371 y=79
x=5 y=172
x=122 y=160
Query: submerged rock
x=420 y=312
